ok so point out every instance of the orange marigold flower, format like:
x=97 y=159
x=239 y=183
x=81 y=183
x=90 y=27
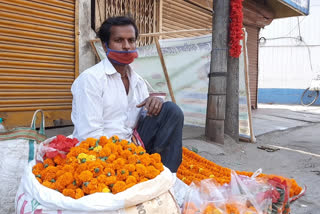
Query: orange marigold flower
x=159 y=166
x=131 y=179
x=140 y=150
x=103 y=141
x=156 y=157
x=119 y=163
x=96 y=168
x=93 y=186
x=141 y=169
x=125 y=154
x=109 y=171
x=68 y=168
x=136 y=175
x=38 y=166
x=85 y=176
x=69 y=192
x=133 y=159
x=49 y=173
x=152 y=172
x=79 y=193
x=129 y=185
x=143 y=180
x=91 y=141
x=145 y=159
x=59 y=173
x=122 y=174
x=84 y=144
x=73 y=186
x=105 y=152
x=111 y=180
x=59 y=160
x=130 y=167
x=111 y=158
x=48 y=162
x=119 y=186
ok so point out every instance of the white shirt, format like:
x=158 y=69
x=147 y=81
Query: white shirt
x=101 y=106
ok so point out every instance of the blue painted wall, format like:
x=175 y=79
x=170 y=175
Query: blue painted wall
x=281 y=96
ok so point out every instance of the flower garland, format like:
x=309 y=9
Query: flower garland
x=196 y=168
x=235 y=28
x=104 y=165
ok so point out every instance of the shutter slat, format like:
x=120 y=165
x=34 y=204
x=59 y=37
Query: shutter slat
x=34 y=12
x=31 y=80
x=44 y=50
x=35 y=28
x=33 y=35
x=35 y=94
x=33 y=87
x=33 y=102
x=34 y=65
x=36 y=58
x=35 y=43
x=30 y=72
x=41 y=7
x=61 y=4
x=34 y=20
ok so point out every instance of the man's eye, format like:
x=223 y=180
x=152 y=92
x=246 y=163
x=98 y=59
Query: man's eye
x=132 y=40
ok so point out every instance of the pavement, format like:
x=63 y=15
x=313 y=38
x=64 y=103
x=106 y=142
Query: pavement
x=293 y=129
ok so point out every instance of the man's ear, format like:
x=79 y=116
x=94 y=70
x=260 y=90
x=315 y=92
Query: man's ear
x=104 y=46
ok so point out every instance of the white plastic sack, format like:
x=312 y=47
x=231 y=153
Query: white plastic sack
x=163 y=204
x=17 y=146
x=54 y=200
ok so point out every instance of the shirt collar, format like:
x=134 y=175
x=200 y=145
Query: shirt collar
x=109 y=70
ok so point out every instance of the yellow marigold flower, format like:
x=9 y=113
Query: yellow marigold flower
x=97 y=148
x=91 y=158
x=200 y=169
x=106 y=189
x=191 y=166
x=211 y=176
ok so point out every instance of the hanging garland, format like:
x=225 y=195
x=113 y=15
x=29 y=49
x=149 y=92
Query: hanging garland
x=235 y=28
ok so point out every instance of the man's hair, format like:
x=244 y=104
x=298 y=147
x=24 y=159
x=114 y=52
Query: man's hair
x=105 y=29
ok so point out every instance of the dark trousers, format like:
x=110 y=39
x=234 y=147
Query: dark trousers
x=163 y=134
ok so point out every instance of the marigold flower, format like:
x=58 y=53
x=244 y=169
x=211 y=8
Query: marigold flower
x=131 y=179
x=48 y=162
x=58 y=160
x=141 y=169
x=111 y=180
x=133 y=159
x=69 y=192
x=145 y=159
x=79 y=193
x=122 y=174
x=106 y=190
x=119 y=163
x=119 y=186
x=152 y=172
x=85 y=176
x=97 y=148
x=156 y=157
x=130 y=167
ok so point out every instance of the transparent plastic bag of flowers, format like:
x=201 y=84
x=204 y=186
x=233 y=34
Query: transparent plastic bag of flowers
x=97 y=175
x=243 y=195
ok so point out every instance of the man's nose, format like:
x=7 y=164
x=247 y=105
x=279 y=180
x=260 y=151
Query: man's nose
x=126 y=45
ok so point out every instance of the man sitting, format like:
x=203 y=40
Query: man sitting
x=111 y=99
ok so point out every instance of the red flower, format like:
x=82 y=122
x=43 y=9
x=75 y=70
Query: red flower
x=62 y=145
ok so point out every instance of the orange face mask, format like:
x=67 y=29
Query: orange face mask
x=121 y=57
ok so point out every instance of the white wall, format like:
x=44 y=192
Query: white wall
x=283 y=59
x=86 y=55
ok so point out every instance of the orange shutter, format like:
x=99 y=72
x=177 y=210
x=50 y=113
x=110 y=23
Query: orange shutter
x=37 y=60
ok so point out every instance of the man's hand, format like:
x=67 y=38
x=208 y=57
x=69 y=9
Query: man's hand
x=153 y=105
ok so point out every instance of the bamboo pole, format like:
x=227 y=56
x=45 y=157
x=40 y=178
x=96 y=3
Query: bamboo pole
x=252 y=137
x=77 y=33
x=165 y=70
x=175 y=32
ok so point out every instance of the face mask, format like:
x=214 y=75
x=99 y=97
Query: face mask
x=121 y=57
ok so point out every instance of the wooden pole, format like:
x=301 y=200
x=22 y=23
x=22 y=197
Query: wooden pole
x=77 y=33
x=175 y=32
x=246 y=73
x=165 y=70
x=216 y=105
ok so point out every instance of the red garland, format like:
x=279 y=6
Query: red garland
x=235 y=28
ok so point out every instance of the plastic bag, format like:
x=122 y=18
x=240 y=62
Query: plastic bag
x=243 y=195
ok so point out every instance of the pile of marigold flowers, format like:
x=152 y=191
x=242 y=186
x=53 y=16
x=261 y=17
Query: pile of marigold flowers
x=196 y=168
x=104 y=165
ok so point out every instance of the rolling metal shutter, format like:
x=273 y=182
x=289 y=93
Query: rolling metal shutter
x=37 y=60
x=183 y=15
x=253 y=36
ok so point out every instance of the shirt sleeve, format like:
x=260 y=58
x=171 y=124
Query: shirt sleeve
x=87 y=108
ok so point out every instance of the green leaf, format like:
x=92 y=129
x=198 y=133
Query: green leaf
x=46 y=165
x=52 y=180
x=195 y=150
x=91 y=148
x=97 y=143
x=86 y=183
x=96 y=170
